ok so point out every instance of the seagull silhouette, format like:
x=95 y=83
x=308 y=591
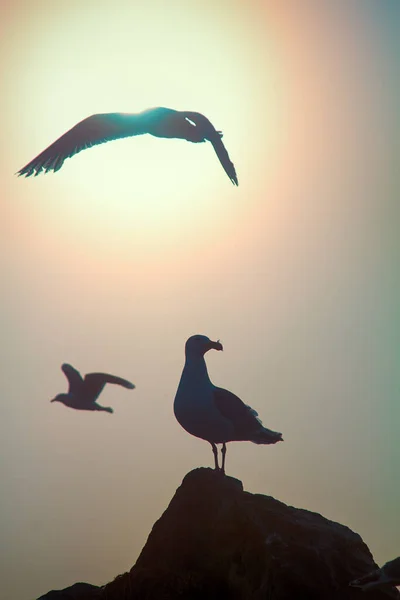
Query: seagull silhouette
x=160 y=122
x=210 y=412
x=83 y=393
x=388 y=575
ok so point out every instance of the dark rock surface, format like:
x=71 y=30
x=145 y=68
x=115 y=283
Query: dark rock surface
x=216 y=541
x=78 y=591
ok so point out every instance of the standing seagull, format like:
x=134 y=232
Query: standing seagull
x=210 y=412
x=160 y=122
x=83 y=393
x=387 y=575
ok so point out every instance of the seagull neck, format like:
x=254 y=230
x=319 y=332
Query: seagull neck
x=196 y=367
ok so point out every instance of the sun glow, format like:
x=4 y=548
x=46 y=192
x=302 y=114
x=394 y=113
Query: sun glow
x=98 y=60
x=143 y=186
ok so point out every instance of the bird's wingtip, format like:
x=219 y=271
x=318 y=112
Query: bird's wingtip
x=232 y=176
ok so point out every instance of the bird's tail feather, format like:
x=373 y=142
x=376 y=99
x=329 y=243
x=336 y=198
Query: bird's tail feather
x=266 y=436
x=104 y=408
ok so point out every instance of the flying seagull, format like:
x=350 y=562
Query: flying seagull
x=387 y=575
x=83 y=393
x=212 y=413
x=160 y=122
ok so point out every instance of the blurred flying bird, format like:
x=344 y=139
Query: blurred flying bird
x=210 y=412
x=388 y=575
x=83 y=393
x=160 y=122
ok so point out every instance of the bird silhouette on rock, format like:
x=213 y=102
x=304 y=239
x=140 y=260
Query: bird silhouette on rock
x=212 y=413
x=83 y=392
x=100 y=128
x=388 y=575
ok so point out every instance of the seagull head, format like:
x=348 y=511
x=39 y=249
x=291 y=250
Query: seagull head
x=59 y=398
x=198 y=345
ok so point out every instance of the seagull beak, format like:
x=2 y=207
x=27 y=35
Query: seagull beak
x=216 y=345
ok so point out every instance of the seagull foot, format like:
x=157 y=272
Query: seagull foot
x=220 y=472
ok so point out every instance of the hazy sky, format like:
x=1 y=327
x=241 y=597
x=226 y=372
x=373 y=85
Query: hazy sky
x=135 y=245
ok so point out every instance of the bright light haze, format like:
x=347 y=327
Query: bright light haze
x=114 y=261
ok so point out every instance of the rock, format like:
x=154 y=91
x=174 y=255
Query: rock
x=216 y=541
x=78 y=591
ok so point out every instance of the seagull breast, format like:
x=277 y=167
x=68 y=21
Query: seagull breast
x=194 y=405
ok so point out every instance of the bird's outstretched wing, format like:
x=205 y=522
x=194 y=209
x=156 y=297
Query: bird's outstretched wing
x=93 y=130
x=371 y=576
x=214 y=136
x=243 y=417
x=74 y=378
x=224 y=159
x=389 y=574
x=95 y=382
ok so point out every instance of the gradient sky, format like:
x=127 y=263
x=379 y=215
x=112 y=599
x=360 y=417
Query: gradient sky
x=135 y=245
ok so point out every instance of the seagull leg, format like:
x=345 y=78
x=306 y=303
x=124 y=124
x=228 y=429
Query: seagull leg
x=223 y=452
x=215 y=452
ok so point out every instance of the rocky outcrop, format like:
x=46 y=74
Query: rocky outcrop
x=216 y=541
x=78 y=591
